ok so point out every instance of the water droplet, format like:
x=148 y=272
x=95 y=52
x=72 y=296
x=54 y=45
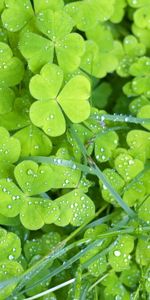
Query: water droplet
x=10 y=257
x=117 y=253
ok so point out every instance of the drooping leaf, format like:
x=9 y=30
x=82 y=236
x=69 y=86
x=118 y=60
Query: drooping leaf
x=9 y=147
x=104 y=145
x=10 y=245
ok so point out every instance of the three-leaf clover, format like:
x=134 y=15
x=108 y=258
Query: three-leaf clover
x=47 y=112
x=69 y=47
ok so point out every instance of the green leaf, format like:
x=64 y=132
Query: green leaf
x=102 y=36
x=17 y=14
x=48 y=116
x=8 y=270
x=10 y=198
x=33 y=179
x=48 y=4
x=119 y=257
x=35 y=212
x=49 y=82
x=55 y=25
x=144 y=112
x=69 y=52
x=116 y=182
x=143 y=252
x=104 y=145
x=137 y=103
x=75 y=94
x=46 y=85
x=139 y=143
x=11 y=68
x=19 y=116
x=131 y=276
x=7 y=97
x=33 y=141
x=37 y=50
x=141 y=67
x=142 y=17
x=119 y=11
x=10 y=245
x=75 y=208
x=143 y=211
x=128 y=167
x=41 y=245
x=134 y=193
x=9 y=147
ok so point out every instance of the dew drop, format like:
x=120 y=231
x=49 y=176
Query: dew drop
x=117 y=253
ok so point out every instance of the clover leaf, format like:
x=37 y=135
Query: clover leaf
x=16 y=14
x=9 y=147
x=119 y=11
x=75 y=208
x=69 y=47
x=104 y=145
x=139 y=140
x=55 y=5
x=10 y=245
x=90 y=12
x=45 y=87
x=127 y=166
x=35 y=212
x=10 y=198
x=36 y=49
x=143 y=252
x=6 y=100
x=33 y=179
x=11 y=68
x=134 y=193
x=137 y=103
x=144 y=112
x=8 y=270
x=119 y=257
x=116 y=182
x=18 y=117
x=41 y=245
x=33 y=141
x=130 y=277
x=143 y=211
x=142 y=17
x=97 y=63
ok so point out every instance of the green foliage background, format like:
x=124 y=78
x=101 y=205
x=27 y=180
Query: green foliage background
x=75 y=149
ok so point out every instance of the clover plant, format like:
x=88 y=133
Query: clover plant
x=75 y=149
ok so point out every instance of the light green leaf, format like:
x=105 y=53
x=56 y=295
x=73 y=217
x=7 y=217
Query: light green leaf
x=10 y=198
x=69 y=52
x=8 y=270
x=143 y=211
x=48 y=116
x=9 y=147
x=128 y=167
x=11 y=68
x=45 y=4
x=104 y=145
x=41 y=245
x=19 y=116
x=7 y=97
x=144 y=112
x=33 y=141
x=119 y=11
x=143 y=252
x=142 y=17
x=141 y=67
x=131 y=276
x=35 y=212
x=139 y=143
x=134 y=193
x=37 y=50
x=55 y=25
x=102 y=36
x=137 y=103
x=10 y=245
x=75 y=208
x=119 y=257
x=116 y=182
x=1 y=5
x=75 y=94
x=17 y=14
x=33 y=179
x=6 y=170
x=47 y=84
